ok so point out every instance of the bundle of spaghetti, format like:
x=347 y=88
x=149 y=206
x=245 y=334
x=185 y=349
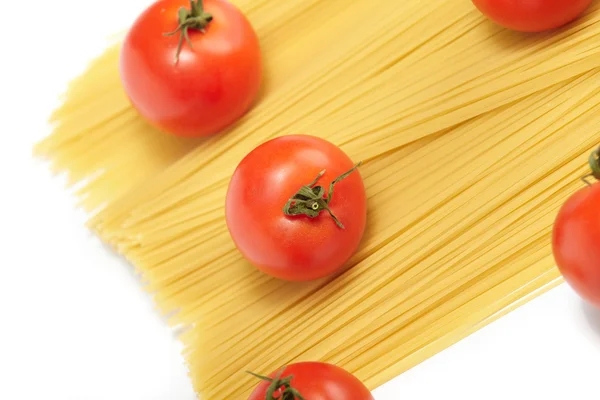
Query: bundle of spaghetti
x=472 y=136
x=326 y=65
x=179 y=234
x=369 y=112
x=468 y=232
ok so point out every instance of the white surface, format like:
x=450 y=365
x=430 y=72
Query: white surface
x=75 y=323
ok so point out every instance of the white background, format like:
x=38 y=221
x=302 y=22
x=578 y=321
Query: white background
x=75 y=323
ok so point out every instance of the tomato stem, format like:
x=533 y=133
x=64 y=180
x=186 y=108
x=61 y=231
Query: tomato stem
x=310 y=200
x=594 y=162
x=277 y=385
x=193 y=18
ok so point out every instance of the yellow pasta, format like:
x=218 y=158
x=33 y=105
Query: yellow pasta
x=396 y=60
x=458 y=247
x=471 y=137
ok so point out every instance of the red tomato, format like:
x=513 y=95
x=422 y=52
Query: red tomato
x=576 y=240
x=532 y=15
x=211 y=84
x=296 y=247
x=313 y=381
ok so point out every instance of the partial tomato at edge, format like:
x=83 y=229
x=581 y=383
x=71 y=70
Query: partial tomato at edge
x=209 y=86
x=295 y=248
x=315 y=381
x=576 y=239
x=532 y=15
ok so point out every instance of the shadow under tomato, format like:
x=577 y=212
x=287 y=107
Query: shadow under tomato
x=592 y=315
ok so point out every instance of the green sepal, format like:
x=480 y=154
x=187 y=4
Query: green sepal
x=289 y=393
x=310 y=200
x=194 y=18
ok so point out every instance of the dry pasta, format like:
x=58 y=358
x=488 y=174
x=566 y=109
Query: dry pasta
x=397 y=63
x=468 y=245
x=472 y=137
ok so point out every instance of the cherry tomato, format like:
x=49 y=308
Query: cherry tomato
x=284 y=233
x=313 y=381
x=205 y=85
x=532 y=15
x=576 y=239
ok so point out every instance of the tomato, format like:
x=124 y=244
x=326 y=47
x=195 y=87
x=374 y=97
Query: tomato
x=206 y=85
x=313 y=381
x=576 y=239
x=532 y=15
x=296 y=240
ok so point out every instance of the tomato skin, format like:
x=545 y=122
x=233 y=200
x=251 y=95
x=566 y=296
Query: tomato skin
x=211 y=86
x=576 y=242
x=532 y=15
x=319 y=381
x=295 y=248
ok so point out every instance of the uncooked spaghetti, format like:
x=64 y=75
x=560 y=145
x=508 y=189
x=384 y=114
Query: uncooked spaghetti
x=472 y=137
